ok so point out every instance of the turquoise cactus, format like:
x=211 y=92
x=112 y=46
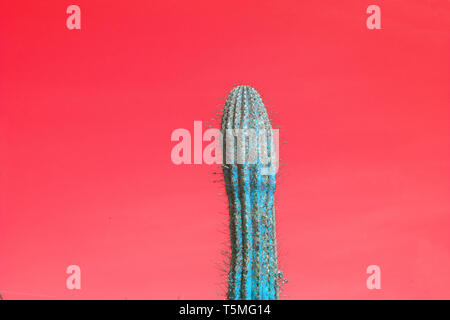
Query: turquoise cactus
x=250 y=188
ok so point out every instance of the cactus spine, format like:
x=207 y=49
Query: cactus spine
x=253 y=270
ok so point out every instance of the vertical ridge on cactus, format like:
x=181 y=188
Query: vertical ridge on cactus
x=253 y=270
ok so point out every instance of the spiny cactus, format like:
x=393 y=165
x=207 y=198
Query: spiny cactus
x=250 y=188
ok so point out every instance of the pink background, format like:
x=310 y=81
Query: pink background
x=86 y=117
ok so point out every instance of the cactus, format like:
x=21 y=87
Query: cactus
x=253 y=273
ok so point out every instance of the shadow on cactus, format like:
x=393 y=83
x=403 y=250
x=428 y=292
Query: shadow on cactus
x=250 y=187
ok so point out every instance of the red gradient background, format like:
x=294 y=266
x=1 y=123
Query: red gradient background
x=86 y=117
